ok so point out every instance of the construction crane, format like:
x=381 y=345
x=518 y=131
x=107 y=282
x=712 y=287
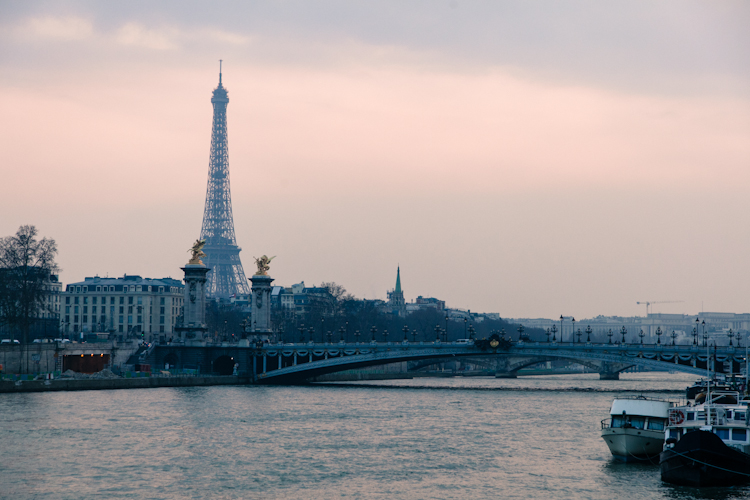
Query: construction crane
x=648 y=304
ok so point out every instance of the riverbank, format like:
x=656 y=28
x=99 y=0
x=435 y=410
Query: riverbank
x=117 y=383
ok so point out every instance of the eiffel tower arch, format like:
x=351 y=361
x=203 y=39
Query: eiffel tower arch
x=226 y=276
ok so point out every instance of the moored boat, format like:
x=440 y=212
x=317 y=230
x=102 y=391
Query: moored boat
x=708 y=444
x=635 y=430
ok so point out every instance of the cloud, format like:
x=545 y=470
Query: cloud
x=62 y=28
x=157 y=38
x=227 y=37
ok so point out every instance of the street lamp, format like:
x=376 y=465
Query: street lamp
x=705 y=337
x=641 y=335
x=738 y=336
x=574 y=327
x=623 y=331
x=342 y=331
x=547 y=334
x=385 y=335
x=695 y=331
x=311 y=331
x=588 y=333
x=301 y=333
x=437 y=333
x=471 y=332
x=579 y=335
x=520 y=333
x=561 y=328
x=674 y=336
x=373 y=330
x=554 y=331
x=356 y=336
x=465 y=321
x=610 y=335
x=322 y=329
x=446 y=328
x=659 y=333
x=406 y=333
x=414 y=335
x=730 y=334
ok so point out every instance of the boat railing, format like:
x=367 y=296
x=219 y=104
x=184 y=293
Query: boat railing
x=606 y=423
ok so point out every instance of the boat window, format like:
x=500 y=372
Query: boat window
x=729 y=414
x=739 y=434
x=701 y=415
x=618 y=421
x=674 y=433
x=739 y=415
x=722 y=433
x=690 y=416
x=637 y=422
x=655 y=425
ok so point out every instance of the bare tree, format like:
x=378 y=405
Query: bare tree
x=26 y=266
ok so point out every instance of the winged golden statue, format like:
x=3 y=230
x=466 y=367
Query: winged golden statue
x=262 y=264
x=197 y=251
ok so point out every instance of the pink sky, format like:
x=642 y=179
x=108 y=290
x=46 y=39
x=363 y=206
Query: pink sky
x=498 y=187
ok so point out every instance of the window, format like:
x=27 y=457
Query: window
x=111 y=310
x=655 y=425
x=739 y=434
x=75 y=300
x=67 y=309
x=122 y=300
x=161 y=310
x=111 y=300
x=85 y=300
x=130 y=309
x=161 y=301
x=161 y=329
x=139 y=319
x=85 y=309
x=122 y=310
x=119 y=328
x=161 y=320
x=130 y=300
x=722 y=433
x=130 y=320
x=67 y=319
x=140 y=300
x=93 y=309
x=690 y=416
x=93 y=300
x=67 y=300
x=120 y=321
x=85 y=319
x=739 y=415
x=75 y=309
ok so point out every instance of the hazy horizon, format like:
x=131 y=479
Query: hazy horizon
x=530 y=159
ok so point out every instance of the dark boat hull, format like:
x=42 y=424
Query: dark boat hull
x=700 y=458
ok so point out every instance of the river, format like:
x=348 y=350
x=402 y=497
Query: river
x=462 y=438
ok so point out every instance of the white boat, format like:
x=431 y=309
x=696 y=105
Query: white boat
x=708 y=443
x=635 y=430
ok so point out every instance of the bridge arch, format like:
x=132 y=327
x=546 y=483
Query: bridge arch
x=223 y=365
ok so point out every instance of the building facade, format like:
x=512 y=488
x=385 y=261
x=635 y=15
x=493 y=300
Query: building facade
x=127 y=306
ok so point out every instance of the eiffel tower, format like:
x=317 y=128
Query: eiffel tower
x=226 y=277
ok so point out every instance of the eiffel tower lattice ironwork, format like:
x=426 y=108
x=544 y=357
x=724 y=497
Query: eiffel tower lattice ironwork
x=226 y=277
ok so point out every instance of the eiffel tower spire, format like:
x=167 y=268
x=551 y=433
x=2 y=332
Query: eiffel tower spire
x=226 y=276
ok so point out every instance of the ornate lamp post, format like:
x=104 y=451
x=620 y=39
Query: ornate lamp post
x=561 y=329
x=554 y=331
x=406 y=333
x=705 y=336
x=641 y=335
x=342 y=331
x=465 y=321
x=579 y=335
x=520 y=333
x=695 y=330
x=730 y=334
x=547 y=334
x=623 y=331
x=385 y=335
x=329 y=335
x=609 y=334
x=471 y=332
x=446 y=328
x=301 y=333
x=311 y=331
x=738 y=336
x=373 y=330
x=659 y=333
x=437 y=333
x=414 y=335
x=588 y=333
x=674 y=336
x=322 y=329
x=356 y=336
x=573 y=320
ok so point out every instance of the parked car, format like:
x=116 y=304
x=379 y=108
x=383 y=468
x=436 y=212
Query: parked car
x=8 y=341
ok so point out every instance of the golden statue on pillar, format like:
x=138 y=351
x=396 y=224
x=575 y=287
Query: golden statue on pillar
x=197 y=251
x=262 y=264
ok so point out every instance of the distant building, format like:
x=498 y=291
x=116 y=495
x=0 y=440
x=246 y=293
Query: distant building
x=130 y=305
x=396 y=303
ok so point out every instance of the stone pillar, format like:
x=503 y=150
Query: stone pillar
x=260 y=304
x=194 y=311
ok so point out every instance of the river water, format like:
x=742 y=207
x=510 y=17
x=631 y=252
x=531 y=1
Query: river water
x=462 y=438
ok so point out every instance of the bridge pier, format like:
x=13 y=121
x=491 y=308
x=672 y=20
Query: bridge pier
x=609 y=375
x=503 y=369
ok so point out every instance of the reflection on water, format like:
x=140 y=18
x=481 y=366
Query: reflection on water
x=457 y=438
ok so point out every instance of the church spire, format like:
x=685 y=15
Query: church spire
x=398 y=280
